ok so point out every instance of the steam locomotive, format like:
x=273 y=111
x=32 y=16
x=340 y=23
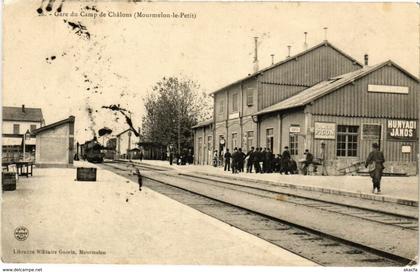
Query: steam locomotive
x=92 y=151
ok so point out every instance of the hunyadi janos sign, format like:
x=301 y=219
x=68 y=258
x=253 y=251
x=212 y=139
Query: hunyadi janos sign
x=402 y=130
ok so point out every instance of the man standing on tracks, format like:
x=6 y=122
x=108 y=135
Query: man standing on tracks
x=376 y=159
x=139 y=178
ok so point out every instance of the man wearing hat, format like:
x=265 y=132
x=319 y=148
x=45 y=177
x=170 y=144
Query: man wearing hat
x=309 y=159
x=376 y=159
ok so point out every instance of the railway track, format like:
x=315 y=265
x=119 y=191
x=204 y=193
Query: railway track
x=315 y=245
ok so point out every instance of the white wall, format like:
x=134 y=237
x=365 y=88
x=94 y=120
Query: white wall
x=52 y=146
x=24 y=126
x=122 y=142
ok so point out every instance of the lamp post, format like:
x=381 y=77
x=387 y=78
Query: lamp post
x=129 y=145
x=25 y=136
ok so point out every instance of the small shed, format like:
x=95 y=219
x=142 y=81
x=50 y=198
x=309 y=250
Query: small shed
x=55 y=144
x=153 y=151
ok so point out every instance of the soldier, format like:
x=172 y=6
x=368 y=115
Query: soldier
x=285 y=161
x=250 y=156
x=257 y=156
x=241 y=161
x=235 y=161
x=308 y=161
x=376 y=158
x=215 y=158
x=268 y=161
x=227 y=159
x=263 y=160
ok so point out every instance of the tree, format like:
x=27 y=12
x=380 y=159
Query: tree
x=172 y=107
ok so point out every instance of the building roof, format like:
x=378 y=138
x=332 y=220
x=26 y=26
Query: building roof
x=294 y=57
x=325 y=87
x=204 y=123
x=22 y=114
x=53 y=125
x=128 y=129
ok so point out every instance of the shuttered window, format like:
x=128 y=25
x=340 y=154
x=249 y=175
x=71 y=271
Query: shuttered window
x=16 y=129
x=250 y=98
x=235 y=102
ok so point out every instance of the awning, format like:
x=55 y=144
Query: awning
x=31 y=141
x=11 y=141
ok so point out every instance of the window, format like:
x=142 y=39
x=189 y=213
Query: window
x=293 y=142
x=347 y=141
x=250 y=98
x=235 y=102
x=269 y=137
x=221 y=107
x=234 y=140
x=16 y=129
x=249 y=139
x=209 y=143
x=33 y=127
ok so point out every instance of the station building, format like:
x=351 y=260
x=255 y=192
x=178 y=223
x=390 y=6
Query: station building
x=319 y=95
x=55 y=144
x=18 y=121
x=350 y=112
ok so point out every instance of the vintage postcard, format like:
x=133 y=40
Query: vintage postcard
x=265 y=134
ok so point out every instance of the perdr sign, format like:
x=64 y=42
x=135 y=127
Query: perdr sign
x=324 y=130
x=402 y=130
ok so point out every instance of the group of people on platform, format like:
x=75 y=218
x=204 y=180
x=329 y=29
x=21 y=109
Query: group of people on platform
x=262 y=160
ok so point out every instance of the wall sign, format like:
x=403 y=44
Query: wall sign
x=234 y=115
x=324 y=130
x=371 y=131
x=406 y=149
x=387 y=89
x=294 y=129
x=405 y=130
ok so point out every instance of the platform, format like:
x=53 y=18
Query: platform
x=110 y=221
x=403 y=190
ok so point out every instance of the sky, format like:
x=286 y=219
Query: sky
x=48 y=65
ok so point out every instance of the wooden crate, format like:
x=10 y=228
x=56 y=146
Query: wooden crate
x=8 y=181
x=86 y=174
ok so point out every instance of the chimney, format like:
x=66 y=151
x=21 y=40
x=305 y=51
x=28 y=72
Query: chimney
x=366 y=59
x=305 y=44
x=272 y=59
x=325 y=33
x=23 y=108
x=288 y=50
x=256 y=68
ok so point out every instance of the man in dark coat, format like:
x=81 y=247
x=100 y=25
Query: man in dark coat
x=308 y=161
x=241 y=161
x=268 y=160
x=277 y=163
x=227 y=159
x=376 y=159
x=263 y=159
x=257 y=156
x=235 y=160
x=285 y=161
x=250 y=156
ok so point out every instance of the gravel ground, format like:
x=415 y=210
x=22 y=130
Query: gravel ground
x=110 y=221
